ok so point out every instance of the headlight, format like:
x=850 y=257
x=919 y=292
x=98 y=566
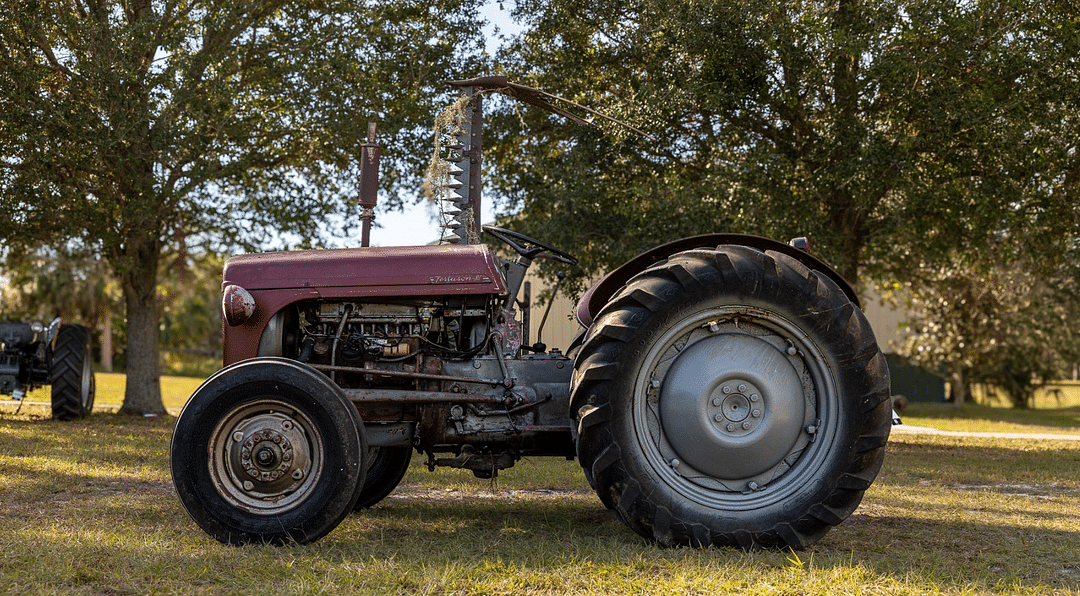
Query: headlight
x=37 y=327
x=237 y=304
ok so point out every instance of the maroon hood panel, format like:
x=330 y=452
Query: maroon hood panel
x=379 y=271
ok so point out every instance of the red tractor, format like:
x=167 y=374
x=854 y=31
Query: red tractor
x=724 y=389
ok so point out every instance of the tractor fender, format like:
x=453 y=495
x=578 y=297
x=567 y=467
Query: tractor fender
x=602 y=291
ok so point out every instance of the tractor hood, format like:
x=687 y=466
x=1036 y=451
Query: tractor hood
x=379 y=271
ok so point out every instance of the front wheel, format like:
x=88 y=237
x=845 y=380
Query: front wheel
x=731 y=397
x=268 y=451
x=387 y=467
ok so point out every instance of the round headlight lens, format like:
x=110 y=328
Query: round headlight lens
x=237 y=304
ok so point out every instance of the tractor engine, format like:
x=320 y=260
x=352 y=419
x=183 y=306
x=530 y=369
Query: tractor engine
x=351 y=334
x=446 y=376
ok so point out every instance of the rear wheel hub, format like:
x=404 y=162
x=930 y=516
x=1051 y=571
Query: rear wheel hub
x=732 y=406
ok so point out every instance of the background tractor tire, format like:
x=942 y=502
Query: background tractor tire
x=71 y=375
x=268 y=450
x=388 y=467
x=731 y=397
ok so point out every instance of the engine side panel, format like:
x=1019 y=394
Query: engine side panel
x=443 y=375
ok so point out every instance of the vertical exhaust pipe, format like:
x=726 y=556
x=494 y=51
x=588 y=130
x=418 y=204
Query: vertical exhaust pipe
x=369 y=183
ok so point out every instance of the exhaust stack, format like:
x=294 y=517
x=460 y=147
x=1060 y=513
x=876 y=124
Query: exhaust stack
x=369 y=183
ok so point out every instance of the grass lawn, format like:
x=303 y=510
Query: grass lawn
x=109 y=394
x=976 y=418
x=88 y=508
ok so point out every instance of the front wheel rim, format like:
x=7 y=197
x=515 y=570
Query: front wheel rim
x=265 y=457
x=736 y=408
x=86 y=385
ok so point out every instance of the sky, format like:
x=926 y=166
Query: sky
x=418 y=224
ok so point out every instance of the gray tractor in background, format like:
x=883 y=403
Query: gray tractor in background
x=33 y=354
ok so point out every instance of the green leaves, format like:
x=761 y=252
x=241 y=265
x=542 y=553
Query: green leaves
x=926 y=143
x=1003 y=317
x=133 y=116
x=909 y=125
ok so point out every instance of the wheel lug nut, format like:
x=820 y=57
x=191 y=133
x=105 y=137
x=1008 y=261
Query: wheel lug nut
x=756 y=413
x=718 y=418
x=742 y=388
x=754 y=397
x=746 y=426
x=726 y=389
x=716 y=401
x=731 y=427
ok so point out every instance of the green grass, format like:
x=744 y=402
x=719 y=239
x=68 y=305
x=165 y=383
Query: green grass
x=976 y=418
x=109 y=394
x=88 y=508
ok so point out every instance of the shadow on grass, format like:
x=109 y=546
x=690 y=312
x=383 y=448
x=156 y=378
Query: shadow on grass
x=126 y=537
x=89 y=507
x=546 y=536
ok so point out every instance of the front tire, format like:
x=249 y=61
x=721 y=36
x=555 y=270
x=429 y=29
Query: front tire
x=731 y=397
x=71 y=375
x=388 y=467
x=268 y=451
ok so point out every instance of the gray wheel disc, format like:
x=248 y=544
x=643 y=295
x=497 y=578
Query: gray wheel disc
x=732 y=399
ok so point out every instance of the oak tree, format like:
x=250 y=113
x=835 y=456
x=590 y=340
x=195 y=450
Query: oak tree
x=891 y=133
x=140 y=127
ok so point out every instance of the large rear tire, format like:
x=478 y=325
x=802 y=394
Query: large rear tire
x=268 y=451
x=71 y=375
x=731 y=397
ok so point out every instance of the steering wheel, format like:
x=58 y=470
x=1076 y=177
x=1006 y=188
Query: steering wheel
x=520 y=243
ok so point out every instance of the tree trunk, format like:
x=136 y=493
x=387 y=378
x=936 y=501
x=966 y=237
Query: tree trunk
x=142 y=395
x=958 y=388
x=848 y=211
x=106 y=341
